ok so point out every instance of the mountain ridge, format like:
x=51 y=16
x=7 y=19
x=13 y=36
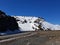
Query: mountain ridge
x=29 y=23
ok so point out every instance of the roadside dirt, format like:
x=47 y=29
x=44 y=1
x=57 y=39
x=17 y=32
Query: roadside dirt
x=32 y=38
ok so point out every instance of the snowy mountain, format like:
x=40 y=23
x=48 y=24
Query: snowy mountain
x=26 y=23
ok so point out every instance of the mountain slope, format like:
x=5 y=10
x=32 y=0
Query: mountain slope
x=34 y=23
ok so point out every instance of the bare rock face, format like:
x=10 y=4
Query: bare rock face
x=7 y=22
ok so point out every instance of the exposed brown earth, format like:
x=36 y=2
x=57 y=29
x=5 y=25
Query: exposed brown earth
x=32 y=38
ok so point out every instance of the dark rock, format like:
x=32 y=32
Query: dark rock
x=7 y=22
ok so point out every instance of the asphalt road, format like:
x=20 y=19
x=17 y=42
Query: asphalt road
x=32 y=38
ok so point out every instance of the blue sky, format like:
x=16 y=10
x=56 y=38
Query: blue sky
x=48 y=9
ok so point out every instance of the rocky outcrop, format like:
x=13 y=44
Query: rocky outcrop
x=7 y=22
